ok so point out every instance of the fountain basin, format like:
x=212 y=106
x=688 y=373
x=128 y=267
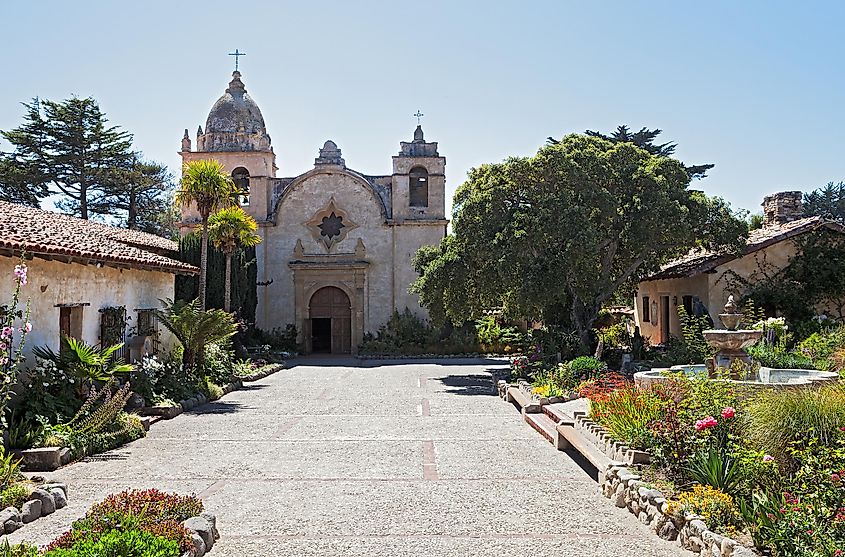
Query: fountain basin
x=767 y=377
x=731 y=341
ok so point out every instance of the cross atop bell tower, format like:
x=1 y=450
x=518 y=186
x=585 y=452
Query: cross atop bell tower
x=237 y=54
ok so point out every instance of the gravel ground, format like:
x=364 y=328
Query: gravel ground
x=339 y=457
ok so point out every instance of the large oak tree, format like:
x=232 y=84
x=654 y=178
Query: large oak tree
x=554 y=236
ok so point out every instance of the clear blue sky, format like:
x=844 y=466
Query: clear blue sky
x=758 y=88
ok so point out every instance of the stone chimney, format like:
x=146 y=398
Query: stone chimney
x=782 y=207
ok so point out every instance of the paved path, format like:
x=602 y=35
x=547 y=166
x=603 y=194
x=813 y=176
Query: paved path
x=394 y=460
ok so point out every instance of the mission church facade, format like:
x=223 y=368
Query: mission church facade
x=335 y=259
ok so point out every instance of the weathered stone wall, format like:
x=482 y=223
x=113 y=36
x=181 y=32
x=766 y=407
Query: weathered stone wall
x=51 y=283
x=301 y=202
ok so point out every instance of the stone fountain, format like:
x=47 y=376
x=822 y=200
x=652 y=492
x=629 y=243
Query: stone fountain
x=730 y=343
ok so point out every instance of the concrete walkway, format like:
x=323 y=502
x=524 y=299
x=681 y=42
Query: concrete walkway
x=328 y=458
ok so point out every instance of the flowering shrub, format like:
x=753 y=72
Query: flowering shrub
x=14 y=327
x=715 y=507
x=625 y=410
x=153 y=512
x=162 y=381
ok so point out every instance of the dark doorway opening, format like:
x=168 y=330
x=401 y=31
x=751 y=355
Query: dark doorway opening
x=321 y=335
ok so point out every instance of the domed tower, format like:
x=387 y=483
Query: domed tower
x=235 y=135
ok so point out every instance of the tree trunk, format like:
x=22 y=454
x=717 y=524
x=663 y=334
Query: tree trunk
x=203 y=262
x=227 y=289
x=583 y=318
x=83 y=201
x=132 y=220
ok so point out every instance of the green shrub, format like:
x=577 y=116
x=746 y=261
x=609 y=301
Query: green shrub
x=10 y=469
x=18 y=550
x=586 y=367
x=15 y=495
x=781 y=418
x=153 y=511
x=778 y=356
x=120 y=543
x=195 y=328
x=715 y=468
x=277 y=338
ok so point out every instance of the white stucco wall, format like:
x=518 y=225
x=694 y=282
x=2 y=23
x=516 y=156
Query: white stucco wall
x=51 y=283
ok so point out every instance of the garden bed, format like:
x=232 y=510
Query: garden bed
x=627 y=490
x=147 y=522
x=45 y=499
x=169 y=412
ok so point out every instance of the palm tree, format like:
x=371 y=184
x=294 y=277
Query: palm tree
x=206 y=184
x=228 y=230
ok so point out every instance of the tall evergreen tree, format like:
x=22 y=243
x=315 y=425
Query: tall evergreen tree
x=22 y=175
x=828 y=201
x=68 y=148
x=644 y=139
x=143 y=192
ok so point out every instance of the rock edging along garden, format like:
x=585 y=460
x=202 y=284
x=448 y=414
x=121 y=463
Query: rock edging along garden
x=625 y=488
x=466 y=355
x=204 y=533
x=45 y=499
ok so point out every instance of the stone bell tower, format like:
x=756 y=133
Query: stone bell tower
x=235 y=136
x=419 y=180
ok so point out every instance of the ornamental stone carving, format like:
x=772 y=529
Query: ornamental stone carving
x=330 y=225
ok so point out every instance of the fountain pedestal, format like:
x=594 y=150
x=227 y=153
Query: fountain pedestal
x=730 y=343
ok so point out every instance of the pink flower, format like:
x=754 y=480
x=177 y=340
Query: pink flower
x=768 y=458
x=728 y=412
x=706 y=423
x=20 y=273
x=6 y=332
x=834 y=477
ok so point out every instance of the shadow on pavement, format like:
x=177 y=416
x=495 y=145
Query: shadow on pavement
x=468 y=384
x=218 y=407
x=329 y=360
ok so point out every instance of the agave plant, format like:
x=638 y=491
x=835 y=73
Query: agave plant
x=89 y=363
x=196 y=328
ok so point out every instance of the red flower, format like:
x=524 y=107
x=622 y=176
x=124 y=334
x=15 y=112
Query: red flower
x=706 y=423
x=728 y=412
x=834 y=478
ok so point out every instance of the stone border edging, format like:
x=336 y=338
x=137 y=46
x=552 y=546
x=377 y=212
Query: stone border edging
x=204 y=533
x=626 y=489
x=45 y=499
x=169 y=412
x=465 y=355
x=263 y=372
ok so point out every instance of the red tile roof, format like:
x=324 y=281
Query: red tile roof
x=57 y=236
x=700 y=260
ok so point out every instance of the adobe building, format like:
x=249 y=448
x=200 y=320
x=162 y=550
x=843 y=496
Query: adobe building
x=335 y=256
x=701 y=280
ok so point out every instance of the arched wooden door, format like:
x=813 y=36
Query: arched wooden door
x=331 y=321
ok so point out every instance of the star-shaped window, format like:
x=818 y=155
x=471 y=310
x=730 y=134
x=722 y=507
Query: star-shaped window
x=331 y=226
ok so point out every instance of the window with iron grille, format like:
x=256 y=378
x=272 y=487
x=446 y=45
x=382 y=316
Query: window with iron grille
x=147 y=326
x=113 y=330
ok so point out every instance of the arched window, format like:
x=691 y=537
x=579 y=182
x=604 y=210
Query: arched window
x=418 y=189
x=240 y=176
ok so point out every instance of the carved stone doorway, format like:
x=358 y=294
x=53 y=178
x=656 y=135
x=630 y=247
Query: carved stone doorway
x=331 y=321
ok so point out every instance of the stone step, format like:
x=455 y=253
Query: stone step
x=571 y=438
x=556 y=413
x=544 y=425
x=524 y=402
